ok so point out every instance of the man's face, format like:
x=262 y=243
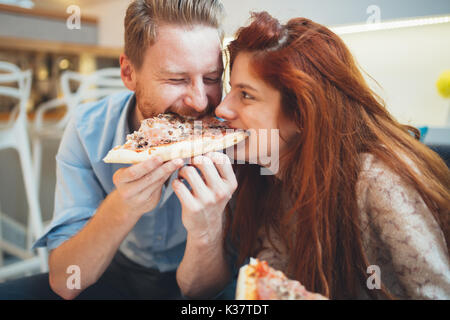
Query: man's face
x=181 y=73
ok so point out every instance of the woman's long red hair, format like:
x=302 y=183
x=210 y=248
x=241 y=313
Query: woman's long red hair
x=338 y=117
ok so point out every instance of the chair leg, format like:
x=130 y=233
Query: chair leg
x=37 y=159
x=1 y=237
x=37 y=163
x=31 y=192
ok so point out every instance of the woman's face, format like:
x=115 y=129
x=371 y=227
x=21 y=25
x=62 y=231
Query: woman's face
x=255 y=106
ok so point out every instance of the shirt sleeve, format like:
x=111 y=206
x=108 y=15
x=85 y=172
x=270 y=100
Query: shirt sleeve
x=78 y=192
x=409 y=235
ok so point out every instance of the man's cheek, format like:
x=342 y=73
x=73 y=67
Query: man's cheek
x=215 y=95
x=170 y=93
x=165 y=98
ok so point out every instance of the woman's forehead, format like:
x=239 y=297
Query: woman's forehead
x=243 y=75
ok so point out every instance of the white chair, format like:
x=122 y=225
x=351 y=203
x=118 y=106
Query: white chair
x=15 y=83
x=90 y=88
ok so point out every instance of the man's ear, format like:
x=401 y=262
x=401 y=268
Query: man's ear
x=127 y=72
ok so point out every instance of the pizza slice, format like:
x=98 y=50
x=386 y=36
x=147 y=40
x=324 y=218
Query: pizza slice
x=172 y=136
x=258 y=281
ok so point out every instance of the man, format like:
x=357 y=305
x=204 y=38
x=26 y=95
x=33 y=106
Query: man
x=119 y=228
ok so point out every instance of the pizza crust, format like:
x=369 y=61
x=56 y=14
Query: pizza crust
x=241 y=286
x=246 y=284
x=175 y=150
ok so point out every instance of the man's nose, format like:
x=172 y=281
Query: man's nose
x=224 y=109
x=197 y=97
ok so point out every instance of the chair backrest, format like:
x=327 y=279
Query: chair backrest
x=91 y=87
x=16 y=84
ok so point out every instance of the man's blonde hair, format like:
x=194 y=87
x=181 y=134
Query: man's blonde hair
x=143 y=17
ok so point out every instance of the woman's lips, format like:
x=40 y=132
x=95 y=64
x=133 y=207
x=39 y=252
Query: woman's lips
x=233 y=127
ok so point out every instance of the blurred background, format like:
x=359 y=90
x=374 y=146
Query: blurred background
x=402 y=45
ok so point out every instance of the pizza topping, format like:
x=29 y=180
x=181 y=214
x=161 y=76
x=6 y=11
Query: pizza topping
x=280 y=289
x=274 y=285
x=156 y=131
x=169 y=127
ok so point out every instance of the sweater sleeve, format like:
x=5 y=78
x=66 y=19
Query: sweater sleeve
x=407 y=233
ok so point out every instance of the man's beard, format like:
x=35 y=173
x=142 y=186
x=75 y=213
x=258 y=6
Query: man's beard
x=149 y=109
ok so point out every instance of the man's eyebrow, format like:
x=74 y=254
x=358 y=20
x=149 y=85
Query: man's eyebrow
x=173 y=72
x=180 y=73
x=220 y=70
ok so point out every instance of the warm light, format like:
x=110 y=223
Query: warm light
x=42 y=74
x=87 y=64
x=355 y=28
x=390 y=25
x=64 y=64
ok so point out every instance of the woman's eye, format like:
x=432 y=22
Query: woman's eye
x=177 y=80
x=245 y=95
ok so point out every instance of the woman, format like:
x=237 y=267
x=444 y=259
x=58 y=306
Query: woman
x=353 y=189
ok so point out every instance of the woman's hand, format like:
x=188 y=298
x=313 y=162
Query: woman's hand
x=203 y=206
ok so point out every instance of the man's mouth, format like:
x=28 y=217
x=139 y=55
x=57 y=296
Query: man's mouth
x=190 y=113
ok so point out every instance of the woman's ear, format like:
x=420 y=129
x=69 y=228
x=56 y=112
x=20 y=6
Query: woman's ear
x=127 y=72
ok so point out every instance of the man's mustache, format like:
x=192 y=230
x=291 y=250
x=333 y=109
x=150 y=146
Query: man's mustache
x=186 y=111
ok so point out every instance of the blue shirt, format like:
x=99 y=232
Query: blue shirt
x=83 y=181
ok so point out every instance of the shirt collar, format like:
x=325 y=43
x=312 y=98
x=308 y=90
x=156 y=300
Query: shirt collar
x=123 y=129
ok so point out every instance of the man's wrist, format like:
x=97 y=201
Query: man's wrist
x=119 y=209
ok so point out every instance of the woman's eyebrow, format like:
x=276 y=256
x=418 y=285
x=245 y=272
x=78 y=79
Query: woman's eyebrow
x=245 y=86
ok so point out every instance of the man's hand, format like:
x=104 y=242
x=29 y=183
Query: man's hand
x=203 y=207
x=139 y=187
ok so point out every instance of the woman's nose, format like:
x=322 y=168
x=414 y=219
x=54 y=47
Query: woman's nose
x=224 y=109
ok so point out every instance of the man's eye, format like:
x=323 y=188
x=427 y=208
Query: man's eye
x=177 y=80
x=212 y=80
